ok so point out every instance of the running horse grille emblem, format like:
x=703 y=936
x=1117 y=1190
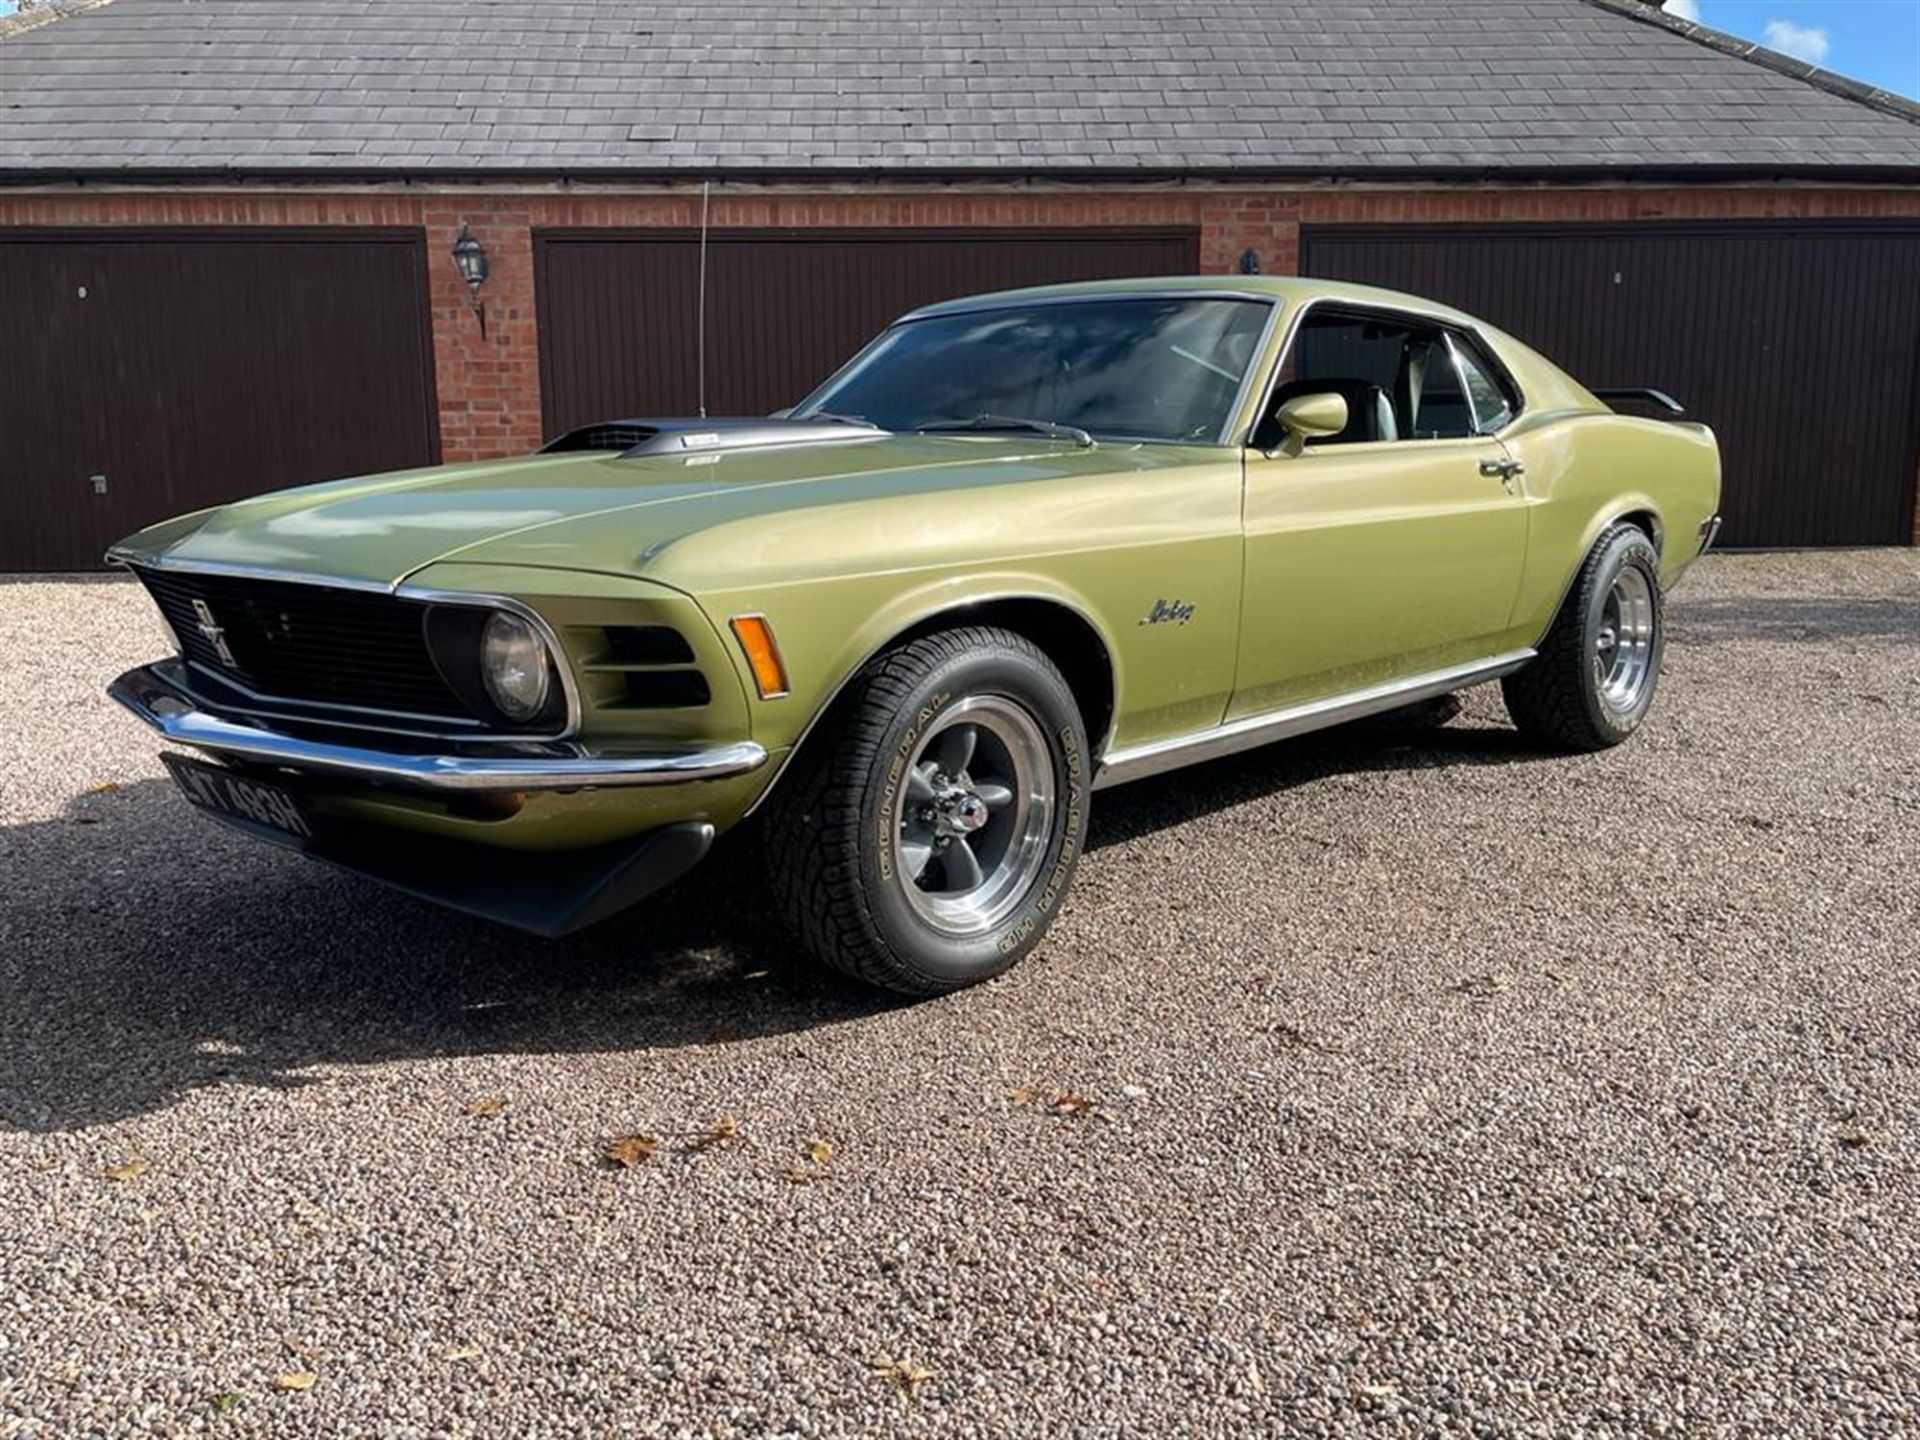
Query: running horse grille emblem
x=216 y=635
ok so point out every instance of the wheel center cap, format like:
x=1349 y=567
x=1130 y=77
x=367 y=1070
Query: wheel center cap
x=967 y=814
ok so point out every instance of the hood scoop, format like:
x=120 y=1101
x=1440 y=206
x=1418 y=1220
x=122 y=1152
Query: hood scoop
x=694 y=436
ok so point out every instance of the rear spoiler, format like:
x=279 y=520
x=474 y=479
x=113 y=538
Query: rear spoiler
x=1644 y=395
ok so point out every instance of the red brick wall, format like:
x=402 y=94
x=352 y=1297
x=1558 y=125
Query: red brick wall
x=489 y=385
x=490 y=388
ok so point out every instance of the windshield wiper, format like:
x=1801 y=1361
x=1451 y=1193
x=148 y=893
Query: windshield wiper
x=1010 y=422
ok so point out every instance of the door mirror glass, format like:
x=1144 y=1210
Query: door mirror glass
x=1310 y=417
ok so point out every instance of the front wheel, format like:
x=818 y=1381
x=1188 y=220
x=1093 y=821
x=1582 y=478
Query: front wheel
x=1593 y=681
x=927 y=835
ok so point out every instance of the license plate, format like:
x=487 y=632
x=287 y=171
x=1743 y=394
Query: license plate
x=237 y=797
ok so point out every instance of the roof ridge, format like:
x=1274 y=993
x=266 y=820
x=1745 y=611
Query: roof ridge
x=32 y=17
x=1648 y=12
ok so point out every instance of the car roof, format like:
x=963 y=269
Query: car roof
x=1546 y=386
x=1289 y=290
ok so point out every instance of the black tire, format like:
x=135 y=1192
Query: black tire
x=1560 y=698
x=829 y=829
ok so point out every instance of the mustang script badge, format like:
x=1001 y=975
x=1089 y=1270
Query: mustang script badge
x=1165 y=612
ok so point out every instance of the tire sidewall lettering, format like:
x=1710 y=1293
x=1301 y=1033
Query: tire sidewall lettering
x=895 y=775
x=1047 y=894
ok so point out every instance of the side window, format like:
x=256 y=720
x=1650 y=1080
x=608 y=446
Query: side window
x=1492 y=406
x=1441 y=411
x=1397 y=377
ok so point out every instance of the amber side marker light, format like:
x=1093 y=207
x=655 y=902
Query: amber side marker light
x=756 y=640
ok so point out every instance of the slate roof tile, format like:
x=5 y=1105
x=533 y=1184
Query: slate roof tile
x=692 y=85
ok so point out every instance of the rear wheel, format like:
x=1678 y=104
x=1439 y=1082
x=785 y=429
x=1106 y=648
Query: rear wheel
x=927 y=835
x=1593 y=681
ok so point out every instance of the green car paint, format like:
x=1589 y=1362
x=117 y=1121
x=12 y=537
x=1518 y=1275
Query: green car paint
x=1197 y=585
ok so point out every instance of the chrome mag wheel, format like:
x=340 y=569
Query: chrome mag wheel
x=975 y=815
x=1623 y=643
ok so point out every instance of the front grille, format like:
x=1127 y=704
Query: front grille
x=309 y=643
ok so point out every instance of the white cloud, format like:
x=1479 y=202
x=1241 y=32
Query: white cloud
x=1803 y=42
x=1684 y=10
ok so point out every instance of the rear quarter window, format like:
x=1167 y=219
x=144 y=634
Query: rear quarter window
x=1493 y=405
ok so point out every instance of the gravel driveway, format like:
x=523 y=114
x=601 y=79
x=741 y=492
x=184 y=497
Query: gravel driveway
x=1387 y=1081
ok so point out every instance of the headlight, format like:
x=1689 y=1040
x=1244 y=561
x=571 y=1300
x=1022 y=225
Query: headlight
x=513 y=662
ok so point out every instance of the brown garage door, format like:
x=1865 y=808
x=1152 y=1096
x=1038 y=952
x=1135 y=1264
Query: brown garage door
x=619 y=310
x=188 y=368
x=1798 y=343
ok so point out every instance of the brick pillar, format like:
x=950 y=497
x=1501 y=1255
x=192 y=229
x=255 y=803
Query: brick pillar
x=1267 y=224
x=489 y=387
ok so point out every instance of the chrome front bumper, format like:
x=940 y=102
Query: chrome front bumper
x=174 y=712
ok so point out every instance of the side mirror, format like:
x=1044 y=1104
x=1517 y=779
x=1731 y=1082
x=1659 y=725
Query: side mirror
x=1307 y=417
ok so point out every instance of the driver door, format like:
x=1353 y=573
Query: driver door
x=1389 y=550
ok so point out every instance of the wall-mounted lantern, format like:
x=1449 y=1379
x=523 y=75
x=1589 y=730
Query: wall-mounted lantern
x=1249 y=261
x=471 y=259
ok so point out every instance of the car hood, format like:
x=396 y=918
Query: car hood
x=586 y=511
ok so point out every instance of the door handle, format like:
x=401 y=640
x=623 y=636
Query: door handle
x=1502 y=469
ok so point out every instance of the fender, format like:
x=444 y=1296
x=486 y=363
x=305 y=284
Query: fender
x=1589 y=472
x=1602 y=522
x=929 y=606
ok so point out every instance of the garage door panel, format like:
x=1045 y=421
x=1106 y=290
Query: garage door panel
x=41 y=356
x=1797 y=343
x=619 y=311
x=192 y=369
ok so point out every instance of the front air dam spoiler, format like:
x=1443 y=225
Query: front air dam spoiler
x=549 y=893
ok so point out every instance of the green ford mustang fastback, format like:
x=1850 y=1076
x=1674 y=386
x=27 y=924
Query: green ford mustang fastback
x=1021 y=547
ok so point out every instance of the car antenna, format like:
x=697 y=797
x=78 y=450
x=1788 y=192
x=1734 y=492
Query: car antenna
x=706 y=200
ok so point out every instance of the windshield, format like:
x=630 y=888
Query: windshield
x=1151 y=368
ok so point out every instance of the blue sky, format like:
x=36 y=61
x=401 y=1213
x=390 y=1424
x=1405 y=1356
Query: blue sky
x=1873 y=40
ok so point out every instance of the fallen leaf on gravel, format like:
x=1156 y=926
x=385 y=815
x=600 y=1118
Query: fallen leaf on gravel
x=725 y=1129
x=132 y=1170
x=628 y=1151
x=295 y=1380
x=1060 y=1102
x=1493 y=984
x=487 y=1105
x=105 y=787
x=226 y=1404
x=1855 y=1139
x=908 y=1376
x=819 y=1151
x=464 y=1352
